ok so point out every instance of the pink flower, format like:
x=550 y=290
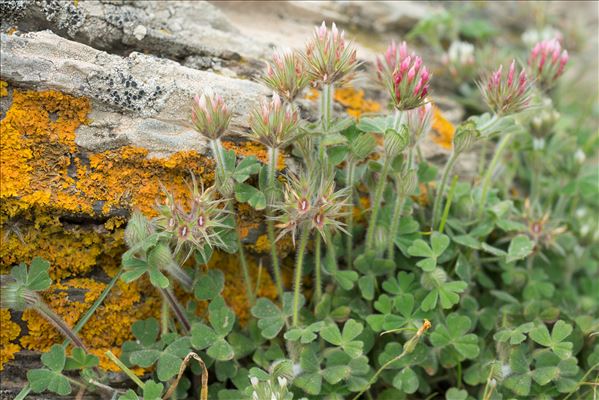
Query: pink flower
x=329 y=58
x=419 y=122
x=504 y=94
x=274 y=124
x=547 y=61
x=405 y=76
x=286 y=74
x=210 y=115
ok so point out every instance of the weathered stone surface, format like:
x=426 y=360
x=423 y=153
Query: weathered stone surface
x=174 y=30
x=140 y=100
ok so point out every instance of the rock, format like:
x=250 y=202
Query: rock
x=140 y=99
x=174 y=30
x=377 y=16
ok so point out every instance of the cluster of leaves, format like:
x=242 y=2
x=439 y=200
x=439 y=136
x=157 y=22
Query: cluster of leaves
x=512 y=291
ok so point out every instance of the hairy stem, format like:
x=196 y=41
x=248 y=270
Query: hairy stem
x=397 y=209
x=448 y=204
x=297 y=285
x=490 y=170
x=376 y=204
x=317 y=271
x=349 y=245
x=378 y=372
x=59 y=324
x=270 y=224
x=326 y=106
x=170 y=298
x=164 y=315
x=440 y=191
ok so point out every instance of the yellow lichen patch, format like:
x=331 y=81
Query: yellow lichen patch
x=249 y=148
x=110 y=325
x=3 y=88
x=9 y=331
x=443 y=130
x=234 y=292
x=354 y=102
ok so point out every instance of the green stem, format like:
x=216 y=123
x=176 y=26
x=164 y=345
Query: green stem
x=439 y=195
x=317 y=271
x=326 y=106
x=23 y=393
x=397 y=209
x=448 y=204
x=216 y=146
x=378 y=372
x=164 y=314
x=298 y=273
x=349 y=247
x=125 y=369
x=246 y=271
x=270 y=224
x=490 y=170
x=376 y=204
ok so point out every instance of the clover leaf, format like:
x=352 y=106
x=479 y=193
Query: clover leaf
x=270 y=317
x=520 y=247
x=555 y=341
x=36 y=277
x=80 y=360
x=209 y=284
x=420 y=248
x=245 y=168
x=245 y=193
x=168 y=359
x=520 y=378
x=50 y=379
x=306 y=334
x=212 y=337
x=310 y=379
x=447 y=293
x=371 y=266
x=514 y=336
x=345 y=339
x=456 y=344
x=135 y=267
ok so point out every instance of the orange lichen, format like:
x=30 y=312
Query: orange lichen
x=9 y=331
x=108 y=327
x=354 y=102
x=3 y=89
x=253 y=149
x=47 y=180
x=443 y=130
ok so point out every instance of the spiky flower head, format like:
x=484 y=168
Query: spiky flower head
x=329 y=59
x=312 y=202
x=286 y=74
x=547 y=62
x=210 y=115
x=197 y=226
x=419 y=122
x=506 y=94
x=274 y=124
x=405 y=77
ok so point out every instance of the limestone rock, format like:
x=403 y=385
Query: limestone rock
x=140 y=99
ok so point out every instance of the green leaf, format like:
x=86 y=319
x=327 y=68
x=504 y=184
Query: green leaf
x=245 y=193
x=221 y=350
x=202 y=336
x=439 y=243
x=454 y=335
x=406 y=381
x=43 y=379
x=157 y=278
x=209 y=284
x=332 y=334
x=520 y=247
x=221 y=317
x=514 y=336
x=555 y=341
x=55 y=359
x=38 y=278
x=420 y=249
x=152 y=390
x=246 y=167
x=270 y=318
x=146 y=331
x=80 y=360
x=336 y=373
x=456 y=394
